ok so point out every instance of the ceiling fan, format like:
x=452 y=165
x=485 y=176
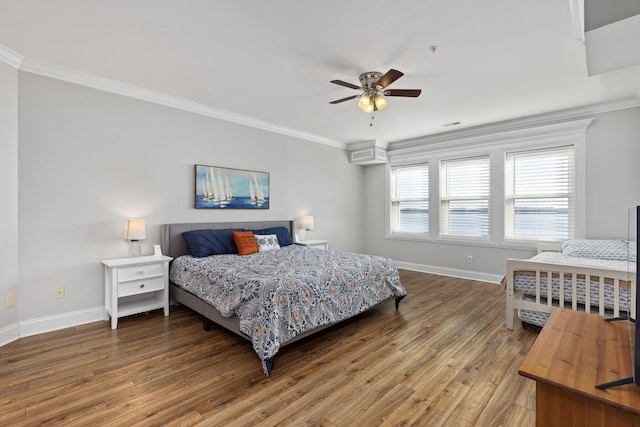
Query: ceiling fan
x=373 y=87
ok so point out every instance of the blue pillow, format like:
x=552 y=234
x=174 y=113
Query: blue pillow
x=284 y=236
x=203 y=243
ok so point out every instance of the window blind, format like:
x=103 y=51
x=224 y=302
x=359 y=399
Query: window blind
x=410 y=199
x=464 y=197
x=540 y=194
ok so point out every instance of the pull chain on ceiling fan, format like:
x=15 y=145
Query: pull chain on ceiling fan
x=373 y=87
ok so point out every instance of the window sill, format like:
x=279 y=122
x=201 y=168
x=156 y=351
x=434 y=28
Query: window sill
x=486 y=243
x=415 y=237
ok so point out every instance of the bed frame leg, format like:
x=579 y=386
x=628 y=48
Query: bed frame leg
x=268 y=364
x=398 y=301
x=206 y=324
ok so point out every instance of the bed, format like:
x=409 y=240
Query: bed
x=273 y=297
x=607 y=266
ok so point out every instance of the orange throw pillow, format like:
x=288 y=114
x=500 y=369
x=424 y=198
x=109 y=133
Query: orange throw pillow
x=246 y=242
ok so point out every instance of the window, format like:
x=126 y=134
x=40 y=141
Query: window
x=540 y=194
x=464 y=197
x=410 y=199
x=511 y=189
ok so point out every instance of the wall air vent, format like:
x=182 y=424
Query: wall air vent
x=366 y=153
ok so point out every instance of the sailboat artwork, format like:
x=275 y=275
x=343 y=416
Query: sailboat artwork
x=225 y=188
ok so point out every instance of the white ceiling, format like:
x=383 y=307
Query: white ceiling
x=272 y=60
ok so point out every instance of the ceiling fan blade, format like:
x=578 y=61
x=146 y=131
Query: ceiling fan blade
x=337 y=101
x=388 y=78
x=346 y=84
x=413 y=93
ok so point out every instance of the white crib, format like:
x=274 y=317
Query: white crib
x=568 y=288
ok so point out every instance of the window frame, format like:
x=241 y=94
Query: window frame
x=444 y=197
x=570 y=195
x=391 y=181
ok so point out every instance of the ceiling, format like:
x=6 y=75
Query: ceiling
x=272 y=61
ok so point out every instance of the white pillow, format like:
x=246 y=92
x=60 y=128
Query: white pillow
x=267 y=242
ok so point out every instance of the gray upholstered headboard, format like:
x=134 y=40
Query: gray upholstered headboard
x=174 y=245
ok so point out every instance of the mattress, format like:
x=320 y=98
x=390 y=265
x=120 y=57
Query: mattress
x=279 y=294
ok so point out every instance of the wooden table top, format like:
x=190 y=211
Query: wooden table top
x=577 y=350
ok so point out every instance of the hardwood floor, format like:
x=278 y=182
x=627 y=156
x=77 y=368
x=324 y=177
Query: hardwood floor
x=445 y=358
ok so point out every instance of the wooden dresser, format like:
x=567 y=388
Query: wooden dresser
x=574 y=352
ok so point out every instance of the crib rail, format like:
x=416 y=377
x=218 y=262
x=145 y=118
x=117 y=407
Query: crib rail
x=544 y=300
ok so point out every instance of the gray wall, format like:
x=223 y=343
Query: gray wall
x=613 y=172
x=89 y=159
x=612 y=185
x=8 y=193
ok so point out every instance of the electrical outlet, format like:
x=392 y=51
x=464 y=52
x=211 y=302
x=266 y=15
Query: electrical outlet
x=11 y=300
x=60 y=292
x=469 y=259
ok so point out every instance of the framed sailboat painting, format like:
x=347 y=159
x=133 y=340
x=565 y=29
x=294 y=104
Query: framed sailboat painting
x=224 y=188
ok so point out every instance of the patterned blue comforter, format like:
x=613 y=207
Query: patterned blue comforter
x=279 y=294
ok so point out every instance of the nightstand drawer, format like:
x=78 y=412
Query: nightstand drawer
x=137 y=272
x=140 y=286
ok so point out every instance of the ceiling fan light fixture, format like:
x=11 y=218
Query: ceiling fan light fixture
x=368 y=108
x=364 y=102
x=374 y=90
x=380 y=102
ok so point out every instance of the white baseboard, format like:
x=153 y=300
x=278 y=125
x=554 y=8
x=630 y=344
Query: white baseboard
x=9 y=333
x=60 y=321
x=452 y=272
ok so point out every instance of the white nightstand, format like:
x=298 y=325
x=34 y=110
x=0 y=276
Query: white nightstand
x=318 y=244
x=135 y=285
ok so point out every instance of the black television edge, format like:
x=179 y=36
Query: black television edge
x=633 y=379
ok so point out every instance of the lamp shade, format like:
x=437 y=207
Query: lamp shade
x=135 y=229
x=380 y=102
x=306 y=222
x=364 y=101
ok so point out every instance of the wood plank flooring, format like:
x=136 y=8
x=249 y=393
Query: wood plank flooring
x=445 y=358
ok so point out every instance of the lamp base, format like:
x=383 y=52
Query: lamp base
x=135 y=249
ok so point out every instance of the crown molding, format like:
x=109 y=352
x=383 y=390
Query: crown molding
x=506 y=128
x=576 y=8
x=460 y=144
x=84 y=79
x=10 y=57
x=29 y=65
